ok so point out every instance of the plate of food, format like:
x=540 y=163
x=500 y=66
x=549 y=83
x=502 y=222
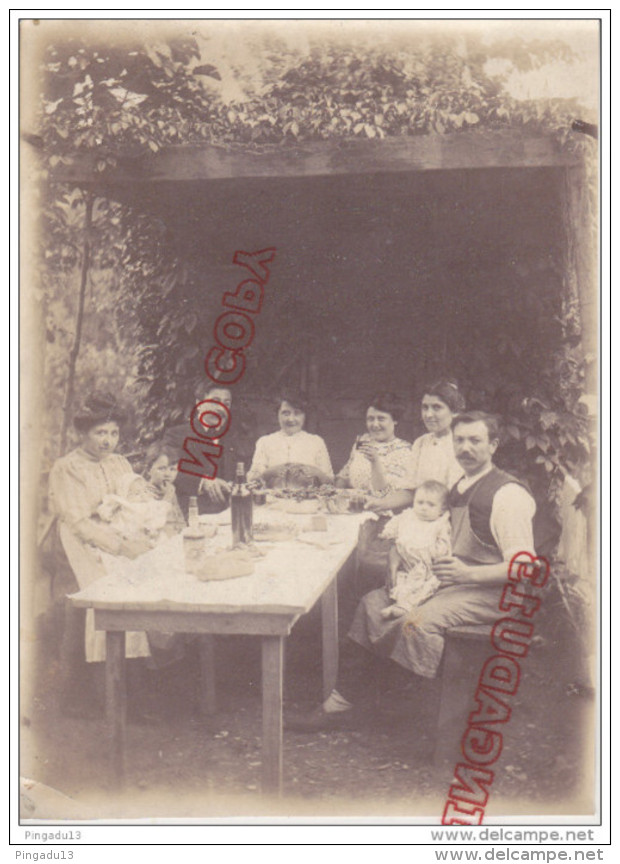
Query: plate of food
x=294 y=476
x=307 y=507
x=311 y=500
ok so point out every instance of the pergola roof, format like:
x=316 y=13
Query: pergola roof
x=471 y=149
x=300 y=196
x=382 y=245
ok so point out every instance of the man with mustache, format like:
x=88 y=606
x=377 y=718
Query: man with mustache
x=491 y=513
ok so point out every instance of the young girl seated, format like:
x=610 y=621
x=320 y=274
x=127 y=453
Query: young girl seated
x=161 y=471
x=420 y=534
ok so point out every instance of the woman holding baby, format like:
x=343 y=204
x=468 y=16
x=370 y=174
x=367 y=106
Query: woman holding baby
x=80 y=481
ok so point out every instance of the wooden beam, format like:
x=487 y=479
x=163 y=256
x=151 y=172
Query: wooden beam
x=188 y=620
x=481 y=149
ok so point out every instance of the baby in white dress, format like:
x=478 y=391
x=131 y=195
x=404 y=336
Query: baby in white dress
x=134 y=512
x=420 y=534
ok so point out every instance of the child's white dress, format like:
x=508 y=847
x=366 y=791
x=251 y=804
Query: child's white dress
x=418 y=544
x=134 y=511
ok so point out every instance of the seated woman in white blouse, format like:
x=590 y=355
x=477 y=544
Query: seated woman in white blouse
x=291 y=446
x=380 y=462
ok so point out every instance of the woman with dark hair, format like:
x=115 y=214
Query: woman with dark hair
x=78 y=484
x=291 y=446
x=399 y=468
x=80 y=480
x=380 y=467
x=379 y=461
x=432 y=454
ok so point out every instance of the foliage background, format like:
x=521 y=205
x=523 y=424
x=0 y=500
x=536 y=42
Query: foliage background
x=111 y=99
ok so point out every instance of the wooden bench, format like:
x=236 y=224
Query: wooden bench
x=466 y=650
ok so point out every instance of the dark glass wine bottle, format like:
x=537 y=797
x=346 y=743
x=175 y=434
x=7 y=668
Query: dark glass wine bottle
x=241 y=508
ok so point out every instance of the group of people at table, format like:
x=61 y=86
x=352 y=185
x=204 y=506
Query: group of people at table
x=446 y=520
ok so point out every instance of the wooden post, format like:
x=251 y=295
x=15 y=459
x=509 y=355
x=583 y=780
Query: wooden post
x=116 y=701
x=77 y=340
x=272 y=656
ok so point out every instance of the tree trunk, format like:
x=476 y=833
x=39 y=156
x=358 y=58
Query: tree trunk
x=75 y=348
x=581 y=263
x=580 y=226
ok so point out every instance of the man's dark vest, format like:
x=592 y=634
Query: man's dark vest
x=479 y=500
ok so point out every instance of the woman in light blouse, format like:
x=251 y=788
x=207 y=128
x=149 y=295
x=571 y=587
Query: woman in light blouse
x=80 y=480
x=432 y=454
x=77 y=485
x=291 y=445
x=379 y=466
x=396 y=469
x=380 y=462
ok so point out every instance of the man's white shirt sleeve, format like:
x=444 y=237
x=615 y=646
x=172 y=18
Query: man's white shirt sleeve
x=511 y=520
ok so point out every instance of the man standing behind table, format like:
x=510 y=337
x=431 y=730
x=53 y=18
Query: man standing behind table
x=491 y=513
x=213 y=495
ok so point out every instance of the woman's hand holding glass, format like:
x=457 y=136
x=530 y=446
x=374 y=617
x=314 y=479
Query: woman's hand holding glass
x=374 y=504
x=357 y=500
x=369 y=451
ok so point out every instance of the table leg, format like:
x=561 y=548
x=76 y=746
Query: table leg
x=116 y=701
x=207 y=673
x=329 y=621
x=272 y=651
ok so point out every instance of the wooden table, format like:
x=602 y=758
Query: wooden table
x=154 y=593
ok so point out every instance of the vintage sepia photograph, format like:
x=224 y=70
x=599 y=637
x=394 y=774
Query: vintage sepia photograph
x=309 y=420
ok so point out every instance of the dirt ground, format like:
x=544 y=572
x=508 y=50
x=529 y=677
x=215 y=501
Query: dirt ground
x=182 y=764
